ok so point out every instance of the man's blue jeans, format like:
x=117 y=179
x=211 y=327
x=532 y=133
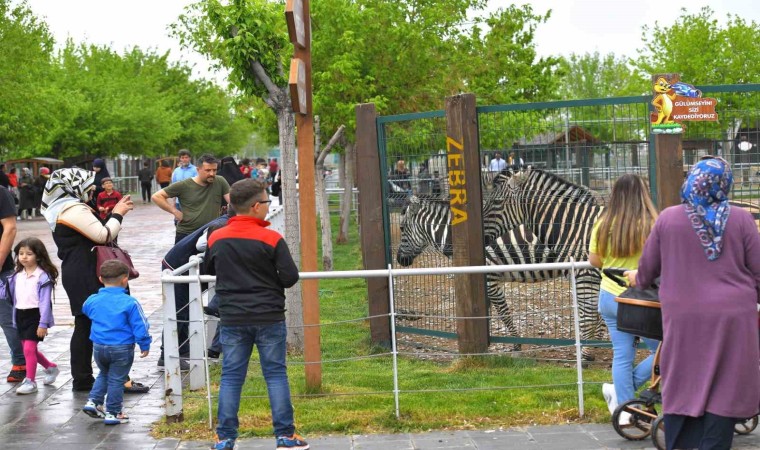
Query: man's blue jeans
x=237 y=346
x=11 y=334
x=626 y=378
x=114 y=362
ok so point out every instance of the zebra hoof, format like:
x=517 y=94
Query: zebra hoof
x=588 y=357
x=517 y=348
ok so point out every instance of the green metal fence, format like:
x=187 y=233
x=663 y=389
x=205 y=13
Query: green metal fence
x=589 y=142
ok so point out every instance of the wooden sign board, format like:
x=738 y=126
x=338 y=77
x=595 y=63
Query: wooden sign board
x=296 y=24
x=297 y=84
x=676 y=102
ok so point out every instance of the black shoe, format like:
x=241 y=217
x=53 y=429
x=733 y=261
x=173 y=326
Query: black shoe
x=81 y=387
x=210 y=312
x=212 y=354
x=183 y=364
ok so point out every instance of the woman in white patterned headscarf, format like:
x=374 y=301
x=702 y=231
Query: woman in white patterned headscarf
x=76 y=229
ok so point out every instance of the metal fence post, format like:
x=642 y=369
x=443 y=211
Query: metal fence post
x=394 y=351
x=578 y=349
x=210 y=327
x=172 y=373
x=196 y=331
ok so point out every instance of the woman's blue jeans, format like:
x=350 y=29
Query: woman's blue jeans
x=114 y=362
x=626 y=378
x=237 y=346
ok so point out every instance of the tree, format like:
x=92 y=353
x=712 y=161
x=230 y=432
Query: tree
x=701 y=50
x=120 y=110
x=29 y=101
x=501 y=65
x=249 y=37
x=320 y=153
x=592 y=75
x=704 y=52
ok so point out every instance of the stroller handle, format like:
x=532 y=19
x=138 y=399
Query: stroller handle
x=616 y=274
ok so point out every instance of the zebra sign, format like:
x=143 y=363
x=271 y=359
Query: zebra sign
x=457 y=189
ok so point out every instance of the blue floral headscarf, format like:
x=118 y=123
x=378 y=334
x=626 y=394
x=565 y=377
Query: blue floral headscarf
x=705 y=195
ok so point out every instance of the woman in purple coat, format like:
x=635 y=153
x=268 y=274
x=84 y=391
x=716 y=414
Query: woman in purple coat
x=708 y=256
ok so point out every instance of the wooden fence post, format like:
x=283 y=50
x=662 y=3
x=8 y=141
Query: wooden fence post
x=371 y=201
x=465 y=197
x=669 y=158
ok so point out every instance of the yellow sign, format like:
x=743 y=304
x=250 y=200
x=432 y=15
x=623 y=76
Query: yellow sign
x=457 y=190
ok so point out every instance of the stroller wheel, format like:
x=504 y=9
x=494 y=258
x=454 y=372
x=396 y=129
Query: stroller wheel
x=658 y=433
x=746 y=427
x=637 y=417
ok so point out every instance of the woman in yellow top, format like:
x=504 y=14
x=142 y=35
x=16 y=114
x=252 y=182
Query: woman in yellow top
x=617 y=240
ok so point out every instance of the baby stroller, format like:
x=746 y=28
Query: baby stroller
x=639 y=314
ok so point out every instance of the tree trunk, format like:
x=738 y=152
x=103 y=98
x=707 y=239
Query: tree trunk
x=322 y=204
x=287 y=127
x=347 y=181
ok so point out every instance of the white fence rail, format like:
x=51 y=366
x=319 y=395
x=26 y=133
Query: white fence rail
x=198 y=376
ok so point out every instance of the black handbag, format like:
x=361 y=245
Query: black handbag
x=639 y=310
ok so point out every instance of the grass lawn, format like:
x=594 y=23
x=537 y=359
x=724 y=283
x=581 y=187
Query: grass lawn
x=357 y=383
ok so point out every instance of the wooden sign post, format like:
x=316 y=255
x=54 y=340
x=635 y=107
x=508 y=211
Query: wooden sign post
x=299 y=29
x=465 y=199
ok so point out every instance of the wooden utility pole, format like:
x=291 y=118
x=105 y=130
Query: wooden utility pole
x=299 y=29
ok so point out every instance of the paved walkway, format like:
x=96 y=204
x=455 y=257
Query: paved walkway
x=52 y=419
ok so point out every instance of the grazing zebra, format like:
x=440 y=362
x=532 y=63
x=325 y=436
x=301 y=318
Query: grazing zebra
x=426 y=222
x=561 y=214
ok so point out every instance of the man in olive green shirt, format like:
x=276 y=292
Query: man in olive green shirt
x=200 y=196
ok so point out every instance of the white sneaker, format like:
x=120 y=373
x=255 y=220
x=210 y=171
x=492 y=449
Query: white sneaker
x=93 y=410
x=625 y=418
x=608 y=391
x=50 y=375
x=115 y=419
x=27 y=387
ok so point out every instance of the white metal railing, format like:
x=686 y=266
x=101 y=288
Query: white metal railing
x=199 y=376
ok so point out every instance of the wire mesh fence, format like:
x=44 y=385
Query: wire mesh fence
x=587 y=142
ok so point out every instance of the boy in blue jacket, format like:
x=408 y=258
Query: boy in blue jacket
x=118 y=323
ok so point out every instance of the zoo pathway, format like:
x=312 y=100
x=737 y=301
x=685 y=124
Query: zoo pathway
x=52 y=418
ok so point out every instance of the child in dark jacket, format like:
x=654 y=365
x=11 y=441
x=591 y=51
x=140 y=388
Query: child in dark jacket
x=118 y=323
x=30 y=288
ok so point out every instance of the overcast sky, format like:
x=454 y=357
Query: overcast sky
x=576 y=26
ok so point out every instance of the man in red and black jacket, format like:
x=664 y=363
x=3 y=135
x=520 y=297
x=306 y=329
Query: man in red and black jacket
x=253 y=266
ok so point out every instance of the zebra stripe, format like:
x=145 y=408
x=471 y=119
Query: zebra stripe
x=561 y=214
x=426 y=222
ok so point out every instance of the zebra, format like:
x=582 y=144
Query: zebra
x=426 y=222
x=561 y=214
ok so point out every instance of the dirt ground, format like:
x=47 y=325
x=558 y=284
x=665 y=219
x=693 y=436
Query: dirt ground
x=540 y=310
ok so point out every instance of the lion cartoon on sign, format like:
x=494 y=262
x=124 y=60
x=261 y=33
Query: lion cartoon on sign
x=663 y=101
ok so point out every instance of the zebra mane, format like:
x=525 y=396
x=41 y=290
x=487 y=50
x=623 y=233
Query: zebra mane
x=568 y=189
x=415 y=199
